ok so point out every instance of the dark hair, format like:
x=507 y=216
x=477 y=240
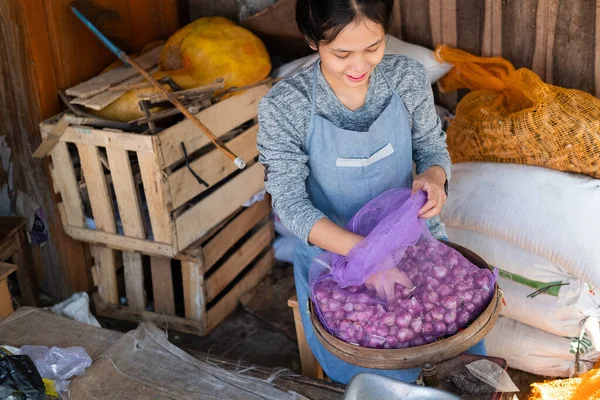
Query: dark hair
x=321 y=21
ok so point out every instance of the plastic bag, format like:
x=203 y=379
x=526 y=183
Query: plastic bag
x=19 y=379
x=58 y=364
x=492 y=374
x=449 y=292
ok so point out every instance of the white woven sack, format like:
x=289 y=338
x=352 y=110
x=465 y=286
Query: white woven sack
x=551 y=214
x=538 y=352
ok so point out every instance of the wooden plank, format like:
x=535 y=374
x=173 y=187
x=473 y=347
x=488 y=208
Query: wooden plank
x=98 y=192
x=310 y=365
x=212 y=168
x=518 y=32
x=115 y=76
x=170 y=322
x=120 y=242
x=220 y=119
x=597 y=51
x=67 y=183
x=469 y=25
x=162 y=285
x=229 y=303
x=101 y=100
x=27 y=274
x=194 y=293
x=492 y=29
x=194 y=223
x=449 y=35
x=545 y=29
x=108 y=139
x=435 y=20
x=126 y=193
x=218 y=246
x=416 y=26
x=6 y=307
x=57 y=131
x=106 y=271
x=574 y=46
x=238 y=261
x=6 y=269
x=154 y=188
x=134 y=280
x=396 y=28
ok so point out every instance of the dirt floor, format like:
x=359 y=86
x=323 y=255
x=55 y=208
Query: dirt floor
x=262 y=331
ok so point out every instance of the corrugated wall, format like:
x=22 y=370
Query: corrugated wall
x=558 y=39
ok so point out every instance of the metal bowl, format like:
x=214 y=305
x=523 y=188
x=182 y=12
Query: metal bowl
x=414 y=357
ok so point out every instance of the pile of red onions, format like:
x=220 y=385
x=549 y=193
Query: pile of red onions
x=449 y=293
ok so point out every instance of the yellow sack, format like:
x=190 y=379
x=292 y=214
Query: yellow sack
x=512 y=116
x=198 y=54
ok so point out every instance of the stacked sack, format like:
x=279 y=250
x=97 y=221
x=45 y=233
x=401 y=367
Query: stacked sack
x=541 y=228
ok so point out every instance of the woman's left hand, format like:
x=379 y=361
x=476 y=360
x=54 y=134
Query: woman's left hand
x=432 y=182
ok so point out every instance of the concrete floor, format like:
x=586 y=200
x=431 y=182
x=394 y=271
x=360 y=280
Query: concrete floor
x=262 y=331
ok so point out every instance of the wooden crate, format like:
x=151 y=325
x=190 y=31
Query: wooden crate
x=230 y=261
x=180 y=210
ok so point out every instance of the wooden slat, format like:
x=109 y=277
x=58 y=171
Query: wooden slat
x=162 y=285
x=193 y=291
x=98 y=192
x=126 y=193
x=67 y=183
x=134 y=280
x=220 y=119
x=449 y=31
x=98 y=137
x=120 y=242
x=233 y=232
x=574 y=46
x=212 y=168
x=416 y=25
x=106 y=274
x=396 y=29
x=436 y=21
x=518 y=32
x=101 y=100
x=546 y=16
x=238 y=261
x=308 y=362
x=154 y=186
x=492 y=29
x=229 y=303
x=163 y=321
x=443 y=16
x=597 y=51
x=194 y=223
x=53 y=137
x=6 y=269
x=6 y=307
x=113 y=77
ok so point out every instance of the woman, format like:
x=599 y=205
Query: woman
x=339 y=133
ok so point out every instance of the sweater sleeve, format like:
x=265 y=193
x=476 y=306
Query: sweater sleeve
x=428 y=137
x=280 y=144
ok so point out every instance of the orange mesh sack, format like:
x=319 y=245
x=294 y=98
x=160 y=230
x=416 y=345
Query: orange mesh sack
x=511 y=116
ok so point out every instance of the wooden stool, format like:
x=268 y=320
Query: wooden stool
x=14 y=245
x=6 y=307
x=310 y=365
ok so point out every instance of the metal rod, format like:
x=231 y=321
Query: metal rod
x=239 y=162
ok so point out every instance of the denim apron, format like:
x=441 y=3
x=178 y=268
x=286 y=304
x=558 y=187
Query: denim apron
x=347 y=169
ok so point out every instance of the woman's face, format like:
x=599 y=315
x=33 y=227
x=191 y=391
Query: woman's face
x=351 y=57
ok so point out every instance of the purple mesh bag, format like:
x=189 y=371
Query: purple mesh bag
x=449 y=291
